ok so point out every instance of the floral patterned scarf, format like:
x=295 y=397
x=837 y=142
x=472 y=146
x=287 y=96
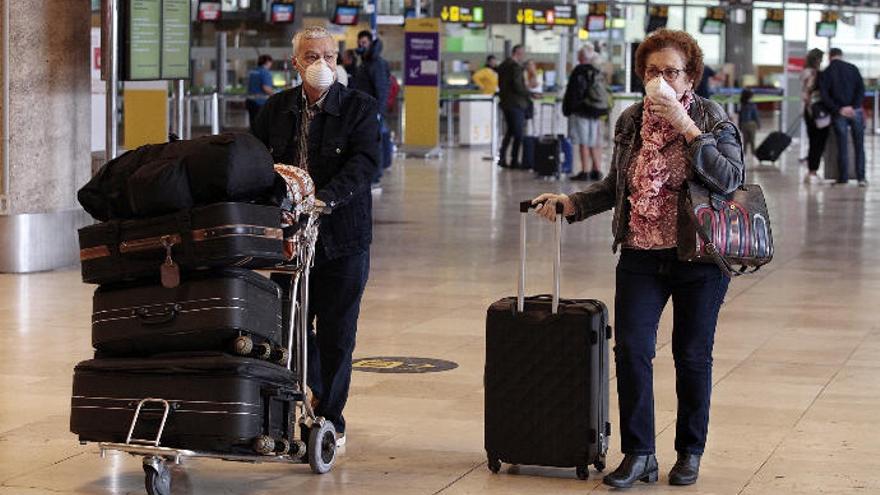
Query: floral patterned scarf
x=649 y=198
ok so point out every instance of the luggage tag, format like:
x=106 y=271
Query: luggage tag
x=169 y=271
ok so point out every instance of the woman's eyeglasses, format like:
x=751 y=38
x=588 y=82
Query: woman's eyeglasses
x=671 y=75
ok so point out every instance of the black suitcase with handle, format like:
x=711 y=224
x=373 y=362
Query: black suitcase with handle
x=217 y=402
x=230 y=309
x=218 y=235
x=546 y=377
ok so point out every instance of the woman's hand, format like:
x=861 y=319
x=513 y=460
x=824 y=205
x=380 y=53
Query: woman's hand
x=546 y=205
x=675 y=114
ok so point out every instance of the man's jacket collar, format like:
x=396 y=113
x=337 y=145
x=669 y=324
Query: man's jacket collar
x=332 y=103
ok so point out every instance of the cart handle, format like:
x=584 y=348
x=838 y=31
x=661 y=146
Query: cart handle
x=143 y=441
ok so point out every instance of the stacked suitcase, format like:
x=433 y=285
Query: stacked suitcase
x=193 y=352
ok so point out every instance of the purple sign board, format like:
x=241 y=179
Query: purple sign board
x=422 y=59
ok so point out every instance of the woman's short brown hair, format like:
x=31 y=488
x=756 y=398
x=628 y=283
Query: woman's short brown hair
x=680 y=41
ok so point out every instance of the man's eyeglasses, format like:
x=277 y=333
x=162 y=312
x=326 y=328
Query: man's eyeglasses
x=671 y=75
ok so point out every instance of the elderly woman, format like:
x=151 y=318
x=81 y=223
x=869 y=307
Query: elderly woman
x=670 y=137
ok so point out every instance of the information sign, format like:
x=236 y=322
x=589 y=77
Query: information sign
x=144 y=34
x=175 y=39
x=558 y=15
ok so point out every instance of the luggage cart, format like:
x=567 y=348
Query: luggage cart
x=317 y=443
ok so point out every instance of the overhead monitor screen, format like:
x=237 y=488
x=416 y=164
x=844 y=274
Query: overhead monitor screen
x=345 y=15
x=595 y=23
x=877 y=32
x=712 y=26
x=655 y=22
x=773 y=27
x=282 y=13
x=826 y=29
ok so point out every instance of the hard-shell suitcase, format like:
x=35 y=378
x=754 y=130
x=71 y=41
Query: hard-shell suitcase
x=229 y=309
x=546 y=377
x=222 y=234
x=831 y=157
x=217 y=402
x=567 y=153
x=772 y=146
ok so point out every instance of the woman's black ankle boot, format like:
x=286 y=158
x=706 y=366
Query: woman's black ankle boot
x=633 y=468
x=686 y=470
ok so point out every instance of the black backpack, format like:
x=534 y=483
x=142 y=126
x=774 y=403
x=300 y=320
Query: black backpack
x=587 y=95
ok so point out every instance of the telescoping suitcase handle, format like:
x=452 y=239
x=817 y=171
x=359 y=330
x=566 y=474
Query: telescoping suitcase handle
x=524 y=208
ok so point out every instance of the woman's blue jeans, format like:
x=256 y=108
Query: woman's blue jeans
x=646 y=279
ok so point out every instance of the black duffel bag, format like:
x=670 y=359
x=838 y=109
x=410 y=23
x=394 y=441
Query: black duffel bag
x=157 y=179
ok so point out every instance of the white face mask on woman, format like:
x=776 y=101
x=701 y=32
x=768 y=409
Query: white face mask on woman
x=658 y=87
x=319 y=75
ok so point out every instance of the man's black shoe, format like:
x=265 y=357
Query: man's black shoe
x=686 y=470
x=579 y=176
x=633 y=468
x=595 y=175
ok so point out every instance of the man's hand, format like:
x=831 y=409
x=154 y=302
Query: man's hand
x=675 y=114
x=848 y=112
x=319 y=203
x=546 y=205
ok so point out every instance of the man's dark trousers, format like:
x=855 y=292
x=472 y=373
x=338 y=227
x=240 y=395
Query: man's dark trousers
x=335 y=290
x=857 y=127
x=646 y=279
x=515 y=119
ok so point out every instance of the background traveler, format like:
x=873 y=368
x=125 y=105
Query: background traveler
x=748 y=121
x=373 y=77
x=487 y=78
x=843 y=91
x=811 y=97
x=515 y=100
x=583 y=106
x=260 y=87
x=671 y=136
x=332 y=132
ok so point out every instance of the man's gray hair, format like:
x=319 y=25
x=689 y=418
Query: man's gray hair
x=309 y=33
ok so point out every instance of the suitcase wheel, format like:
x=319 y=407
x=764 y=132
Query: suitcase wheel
x=583 y=472
x=262 y=351
x=600 y=464
x=494 y=465
x=242 y=345
x=322 y=447
x=263 y=445
x=157 y=476
x=280 y=355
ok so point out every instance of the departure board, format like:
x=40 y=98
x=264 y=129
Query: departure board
x=144 y=39
x=175 y=39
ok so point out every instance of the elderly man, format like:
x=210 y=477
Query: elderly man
x=332 y=132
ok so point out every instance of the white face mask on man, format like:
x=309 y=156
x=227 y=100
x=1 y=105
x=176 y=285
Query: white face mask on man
x=319 y=75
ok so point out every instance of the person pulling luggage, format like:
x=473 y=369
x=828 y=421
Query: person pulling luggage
x=672 y=136
x=331 y=131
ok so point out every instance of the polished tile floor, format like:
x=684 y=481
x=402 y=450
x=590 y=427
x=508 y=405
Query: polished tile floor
x=796 y=383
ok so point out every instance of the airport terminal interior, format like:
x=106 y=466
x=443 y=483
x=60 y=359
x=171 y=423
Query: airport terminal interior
x=796 y=376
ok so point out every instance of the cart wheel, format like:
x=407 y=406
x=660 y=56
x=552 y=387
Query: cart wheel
x=262 y=351
x=282 y=446
x=263 y=445
x=322 y=447
x=494 y=465
x=242 y=345
x=600 y=464
x=583 y=472
x=157 y=477
x=297 y=449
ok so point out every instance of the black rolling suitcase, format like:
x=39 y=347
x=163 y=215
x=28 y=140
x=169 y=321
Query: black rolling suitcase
x=222 y=234
x=229 y=309
x=546 y=377
x=772 y=146
x=216 y=402
x=547 y=150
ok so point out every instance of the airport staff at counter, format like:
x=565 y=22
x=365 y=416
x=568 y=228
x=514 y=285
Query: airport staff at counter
x=260 y=87
x=331 y=131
